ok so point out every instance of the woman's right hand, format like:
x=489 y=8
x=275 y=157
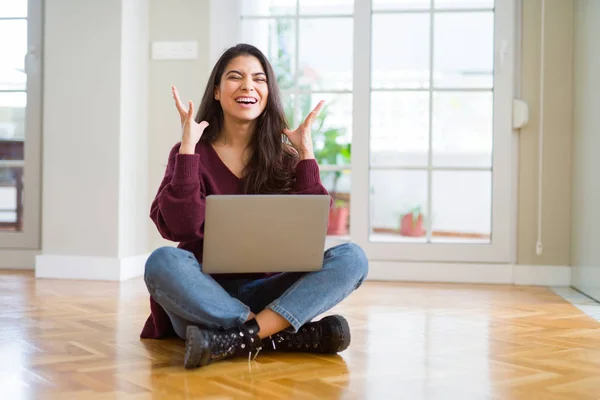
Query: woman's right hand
x=192 y=131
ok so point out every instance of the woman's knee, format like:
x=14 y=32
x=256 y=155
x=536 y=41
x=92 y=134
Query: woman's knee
x=361 y=262
x=159 y=261
x=355 y=260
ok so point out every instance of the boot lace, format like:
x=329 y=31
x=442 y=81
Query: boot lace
x=308 y=337
x=228 y=344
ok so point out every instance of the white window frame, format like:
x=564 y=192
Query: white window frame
x=225 y=27
x=29 y=237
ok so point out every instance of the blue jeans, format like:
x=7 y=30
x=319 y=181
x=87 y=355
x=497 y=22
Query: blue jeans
x=175 y=280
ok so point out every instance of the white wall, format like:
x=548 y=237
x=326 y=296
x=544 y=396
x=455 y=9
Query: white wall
x=94 y=200
x=107 y=64
x=585 y=251
x=81 y=126
x=186 y=20
x=558 y=127
x=133 y=146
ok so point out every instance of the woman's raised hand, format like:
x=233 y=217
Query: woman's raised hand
x=191 y=130
x=301 y=138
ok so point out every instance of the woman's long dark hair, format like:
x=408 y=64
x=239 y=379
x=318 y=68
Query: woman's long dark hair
x=270 y=168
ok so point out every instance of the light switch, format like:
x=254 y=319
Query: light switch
x=174 y=50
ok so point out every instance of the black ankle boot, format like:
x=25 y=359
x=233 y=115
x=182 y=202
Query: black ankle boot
x=204 y=346
x=330 y=335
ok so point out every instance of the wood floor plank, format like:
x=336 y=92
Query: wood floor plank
x=78 y=340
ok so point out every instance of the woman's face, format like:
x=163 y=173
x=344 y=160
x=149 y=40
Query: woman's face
x=243 y=91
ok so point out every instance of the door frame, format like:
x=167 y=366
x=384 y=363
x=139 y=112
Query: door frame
x=500 y=250
x=29 y=237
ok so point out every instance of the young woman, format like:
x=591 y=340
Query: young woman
x=236 y=145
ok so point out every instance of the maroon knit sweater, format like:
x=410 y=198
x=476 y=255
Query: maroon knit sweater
x=179 y=207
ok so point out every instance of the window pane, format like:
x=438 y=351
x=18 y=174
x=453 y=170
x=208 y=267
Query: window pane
x=332 y=130
x=454 y=4
x=462 y=129
x=13 y=9
x=399 y=129
x=12 y=51
x=268 y=7
x=400 y=51
x=464 y=50
x=329 y=7
x=319 y=70
x=338 y=185
x=275 y=38
x=11 y=190
x=12 y=123
x=461 y=206
x=289 y=103
x=379 y=5
x=398 y=205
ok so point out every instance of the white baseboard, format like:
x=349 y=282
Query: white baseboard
x=534 y=275
x=89 y=268
x=133 y=267
x=18 y=259
x=587 y=280
x=542 y=275
x=114 y=269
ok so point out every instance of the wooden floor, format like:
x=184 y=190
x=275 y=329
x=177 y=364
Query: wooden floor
x=79 y=340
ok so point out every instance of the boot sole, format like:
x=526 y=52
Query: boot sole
x=340 y=324
x=197 y=348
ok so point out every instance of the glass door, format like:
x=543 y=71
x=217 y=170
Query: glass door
x=415 y=143
x=310 y=44
x=432 y=179
x=20 y=122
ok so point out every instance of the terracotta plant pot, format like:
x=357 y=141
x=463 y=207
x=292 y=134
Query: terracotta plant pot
x=338 y=221
x=409 y=227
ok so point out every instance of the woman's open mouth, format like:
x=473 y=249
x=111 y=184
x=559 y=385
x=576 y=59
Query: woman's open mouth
x=246 y=102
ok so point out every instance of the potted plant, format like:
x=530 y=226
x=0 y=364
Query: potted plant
x=411 y=222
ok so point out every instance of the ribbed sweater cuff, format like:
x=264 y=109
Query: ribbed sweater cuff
x=307 y=174
x=186 y=168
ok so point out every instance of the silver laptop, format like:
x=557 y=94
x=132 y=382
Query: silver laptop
x=264 y=233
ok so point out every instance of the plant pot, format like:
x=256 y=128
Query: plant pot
x=410 y=227
x=338 y=221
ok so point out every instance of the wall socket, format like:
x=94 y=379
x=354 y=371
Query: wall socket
x=174 y=50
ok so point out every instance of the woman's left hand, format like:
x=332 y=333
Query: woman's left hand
x=301 y=137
